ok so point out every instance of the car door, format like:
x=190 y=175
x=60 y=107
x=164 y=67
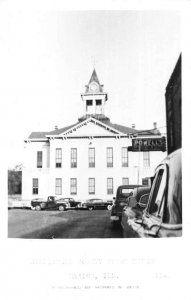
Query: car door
x=51 y=203
x=150 y=225
x=98 y=203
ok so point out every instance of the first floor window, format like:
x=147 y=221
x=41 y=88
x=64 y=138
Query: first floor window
x=58 y=158
x=109 y=186
x=124 y=157
x=73 y=157
x=35 y=186
x=125 y=181
x=73 y=186
x=39 y=159
x=58 y=190
x=109 y=157
x=91 y=186
x=146 y=159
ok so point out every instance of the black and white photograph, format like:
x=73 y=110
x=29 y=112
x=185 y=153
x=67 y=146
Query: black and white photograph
x=92 y=122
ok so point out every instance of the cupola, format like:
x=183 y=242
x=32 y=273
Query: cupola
x=94 y=98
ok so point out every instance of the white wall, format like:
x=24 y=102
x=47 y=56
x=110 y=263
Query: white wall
x=49 y=173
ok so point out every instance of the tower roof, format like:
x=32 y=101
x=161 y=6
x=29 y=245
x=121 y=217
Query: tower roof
x=94 y=77
x=94 y=80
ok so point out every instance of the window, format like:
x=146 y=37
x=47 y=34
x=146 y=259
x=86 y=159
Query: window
x=89 y=102
x=146 y=159
x=158 y=194
x=124 y=193
x=39 y=159
x=73 y=186
x=145 y=181
x=91 y=186
x=109 y=157
x=73 y=157
x=58 y=158
x=58 y=189
x=124 y=157
x=109 y=186
x=91 y=157
x=125 y=181
x=35 y=186
x=98 y=102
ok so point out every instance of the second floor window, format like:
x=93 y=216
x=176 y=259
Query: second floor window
x=73 y=157
x=58 y=158
x=58 y=189
x=73 y=186
x=35 y=186
x=109 y=186
x=39 y=159
x=91 y=186
x=109 y=157
x=91 y=157
x=124 y=157
x=146 y=159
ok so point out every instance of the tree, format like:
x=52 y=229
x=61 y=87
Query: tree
x=14 y=182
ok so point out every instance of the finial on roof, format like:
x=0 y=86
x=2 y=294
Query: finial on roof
x=94 y=61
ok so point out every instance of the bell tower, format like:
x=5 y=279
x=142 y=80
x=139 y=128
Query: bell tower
x=94 y=98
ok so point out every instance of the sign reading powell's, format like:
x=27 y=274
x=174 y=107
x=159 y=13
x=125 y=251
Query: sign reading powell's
x=148 y=144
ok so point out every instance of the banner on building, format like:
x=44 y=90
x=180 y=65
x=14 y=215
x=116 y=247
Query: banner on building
x=148 y=144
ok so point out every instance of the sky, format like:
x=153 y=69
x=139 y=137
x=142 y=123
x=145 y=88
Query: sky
x=47 y=57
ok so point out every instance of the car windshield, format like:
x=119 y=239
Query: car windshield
x=125 y=192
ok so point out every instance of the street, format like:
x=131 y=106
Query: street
x=49 y=224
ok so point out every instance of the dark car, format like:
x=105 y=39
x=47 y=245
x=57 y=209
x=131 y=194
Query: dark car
x=123 y=192
x=52 y=202
x=141 y=196
x=163 y=214
x=97 y=204
x=71 y=203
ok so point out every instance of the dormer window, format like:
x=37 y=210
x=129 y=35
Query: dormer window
x=89 y=102
x=98 y=102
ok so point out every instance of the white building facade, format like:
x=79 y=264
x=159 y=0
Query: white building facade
x=91 y=158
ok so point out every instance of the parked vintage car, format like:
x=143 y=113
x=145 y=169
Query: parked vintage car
x=141 y=195
x=163 y=214
x=52 y=202
x=14 y=203
x=123 y=192
x=71 y=203
x=97 y=204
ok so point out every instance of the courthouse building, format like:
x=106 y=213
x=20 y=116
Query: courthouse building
x=92 y=157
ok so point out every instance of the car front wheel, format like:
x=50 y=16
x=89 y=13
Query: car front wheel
x=61 y=208
x=38 y=208
x=109 y=207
